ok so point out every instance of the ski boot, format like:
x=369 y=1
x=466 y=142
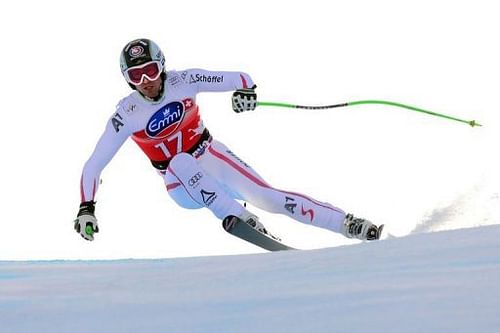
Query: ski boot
x=254 y=222
x=354 y=227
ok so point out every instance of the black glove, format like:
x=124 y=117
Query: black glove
x=244 y=99
x=86 y=223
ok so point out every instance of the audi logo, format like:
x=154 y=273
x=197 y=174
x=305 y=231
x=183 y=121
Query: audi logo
x=195 y=179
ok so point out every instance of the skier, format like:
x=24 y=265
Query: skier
x=161 y=115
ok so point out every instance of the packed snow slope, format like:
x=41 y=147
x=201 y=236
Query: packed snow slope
x=428 y=282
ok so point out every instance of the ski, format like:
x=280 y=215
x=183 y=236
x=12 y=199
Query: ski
x=241 y=229
x=375 y=234
x=379 y=231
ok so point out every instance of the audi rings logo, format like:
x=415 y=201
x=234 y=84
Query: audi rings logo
x=193 y=181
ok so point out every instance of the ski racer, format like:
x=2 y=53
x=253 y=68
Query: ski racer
x=163 y=118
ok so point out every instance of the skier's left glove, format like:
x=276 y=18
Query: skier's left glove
x=86 y=223
x=244 y=99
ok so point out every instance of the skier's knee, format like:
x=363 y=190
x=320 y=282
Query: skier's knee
x=182 y=160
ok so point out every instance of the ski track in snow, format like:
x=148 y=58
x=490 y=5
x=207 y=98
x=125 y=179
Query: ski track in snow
x=429 y=282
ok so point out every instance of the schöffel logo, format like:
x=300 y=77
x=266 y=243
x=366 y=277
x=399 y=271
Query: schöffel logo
x=165 y=121
x=206 y=78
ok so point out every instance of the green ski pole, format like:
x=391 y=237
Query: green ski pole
x=409 y=107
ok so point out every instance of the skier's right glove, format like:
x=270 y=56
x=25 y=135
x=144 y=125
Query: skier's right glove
x=86 y=223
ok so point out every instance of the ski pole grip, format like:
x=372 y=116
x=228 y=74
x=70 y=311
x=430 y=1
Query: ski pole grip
x=89 y=230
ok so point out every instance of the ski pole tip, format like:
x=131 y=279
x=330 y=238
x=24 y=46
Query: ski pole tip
x=474 y=123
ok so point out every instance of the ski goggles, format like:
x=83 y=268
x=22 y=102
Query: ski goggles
x=150 y=70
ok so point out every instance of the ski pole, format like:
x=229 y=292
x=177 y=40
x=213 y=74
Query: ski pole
x=89 y=230
x=472 y=123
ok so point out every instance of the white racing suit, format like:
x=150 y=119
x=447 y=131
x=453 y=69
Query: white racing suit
x=198 y=170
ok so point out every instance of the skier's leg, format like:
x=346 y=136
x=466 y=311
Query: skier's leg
x=177 y=192
x=227 y=168
x=192 y=187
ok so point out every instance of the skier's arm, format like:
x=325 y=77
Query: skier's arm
x=218 y=80
x=111 y=140
x=244 y=98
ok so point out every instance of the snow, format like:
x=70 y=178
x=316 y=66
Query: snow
x=429 y=282
x=420 y=175
x=374 y=161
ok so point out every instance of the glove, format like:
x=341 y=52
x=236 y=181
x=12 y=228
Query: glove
x=86 y=223
x=244 y=99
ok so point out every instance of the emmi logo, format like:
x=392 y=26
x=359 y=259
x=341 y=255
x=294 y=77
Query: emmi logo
x=165 y=120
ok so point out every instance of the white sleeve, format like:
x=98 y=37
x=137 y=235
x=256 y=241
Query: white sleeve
x=111 y=140
x=217 y=80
